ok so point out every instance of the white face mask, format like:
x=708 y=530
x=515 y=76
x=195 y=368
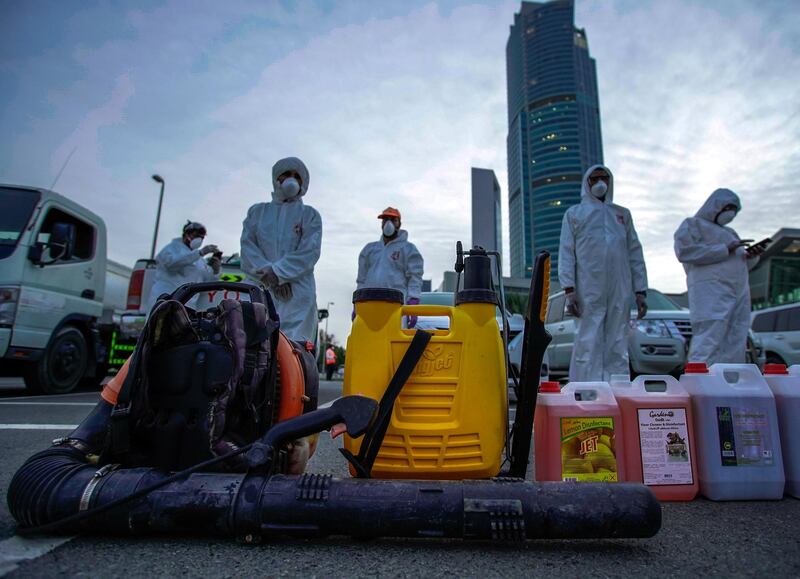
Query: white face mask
x=289 y=188
x=726 y=217
x=599 y=189
x=196 y=243
x=388 y=229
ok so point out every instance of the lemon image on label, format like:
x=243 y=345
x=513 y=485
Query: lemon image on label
x=588 y=449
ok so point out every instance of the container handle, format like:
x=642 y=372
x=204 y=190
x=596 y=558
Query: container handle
x=735 y=374
x=669 y=383
x=427 y=310
x=602 y=392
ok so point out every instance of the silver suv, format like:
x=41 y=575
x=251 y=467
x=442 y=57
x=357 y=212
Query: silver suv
x=657 y=344
x=778 y=329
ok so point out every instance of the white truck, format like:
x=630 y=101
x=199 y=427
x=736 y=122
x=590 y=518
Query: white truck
x=60 y=297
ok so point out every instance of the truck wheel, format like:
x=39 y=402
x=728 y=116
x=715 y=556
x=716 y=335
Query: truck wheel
x=62 y=366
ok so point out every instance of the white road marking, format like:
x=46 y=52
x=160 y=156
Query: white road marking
x=15 y=550
x=3 y=403
x=38 y=426
x=51 y=396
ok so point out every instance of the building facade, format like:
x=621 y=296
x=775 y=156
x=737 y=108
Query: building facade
x=776 y=278
x=486 y=216
x=553 y=126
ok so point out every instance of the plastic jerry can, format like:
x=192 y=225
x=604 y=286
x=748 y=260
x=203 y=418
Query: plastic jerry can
x=785 y=387
x=578 y=433
x=659 y=438
x=736 y=426
x=451 y=417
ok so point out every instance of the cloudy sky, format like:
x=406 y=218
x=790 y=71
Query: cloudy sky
x=388 y=103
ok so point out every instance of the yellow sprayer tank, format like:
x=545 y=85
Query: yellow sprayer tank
x=451 y=417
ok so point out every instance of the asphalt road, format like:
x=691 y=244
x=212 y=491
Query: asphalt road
x=698 y=538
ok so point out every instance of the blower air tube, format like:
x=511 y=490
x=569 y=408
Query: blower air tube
x=59 y=482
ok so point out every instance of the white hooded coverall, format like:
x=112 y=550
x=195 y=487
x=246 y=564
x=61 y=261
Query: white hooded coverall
x=286 y=236
x=719 y=290
x=177 y=265
x=601 y=257
x=395 y=265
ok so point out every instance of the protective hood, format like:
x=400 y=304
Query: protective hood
x=289 y=164
x=586 y=194
x=714 y=204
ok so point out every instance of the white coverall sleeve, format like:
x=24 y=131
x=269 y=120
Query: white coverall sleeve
x=302 y=260
x=254 y=262
x=363 y=268
x=636 y=259
x=566 y=254
x=172 y=260
x=414 y=269
x=692 y=249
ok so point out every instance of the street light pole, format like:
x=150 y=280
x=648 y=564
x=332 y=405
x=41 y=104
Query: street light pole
x=157 y=179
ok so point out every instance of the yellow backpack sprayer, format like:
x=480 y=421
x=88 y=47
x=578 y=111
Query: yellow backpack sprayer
x=441 y=419
x=449 y=419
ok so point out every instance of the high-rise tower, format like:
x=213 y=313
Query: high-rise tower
x=553 y=126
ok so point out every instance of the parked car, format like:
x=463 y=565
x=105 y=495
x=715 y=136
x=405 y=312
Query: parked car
x=755 y=350
x=657 y=344
x=778 y=329
x=515 y=358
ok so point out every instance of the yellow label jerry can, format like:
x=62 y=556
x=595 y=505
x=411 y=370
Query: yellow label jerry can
x=450 y=420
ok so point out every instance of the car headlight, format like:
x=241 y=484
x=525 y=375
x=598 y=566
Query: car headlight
x=9 y=296
x=651 y=328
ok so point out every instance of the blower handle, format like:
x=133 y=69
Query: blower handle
x=185 y=292
x=357 y=412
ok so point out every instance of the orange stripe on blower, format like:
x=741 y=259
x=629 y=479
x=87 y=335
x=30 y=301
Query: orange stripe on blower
x=292 y=381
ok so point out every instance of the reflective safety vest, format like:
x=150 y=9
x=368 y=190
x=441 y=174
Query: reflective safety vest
x=330 y=356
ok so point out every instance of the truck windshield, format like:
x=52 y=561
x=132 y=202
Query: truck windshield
x=16 y=206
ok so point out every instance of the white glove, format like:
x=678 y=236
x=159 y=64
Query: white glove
x=572 y=305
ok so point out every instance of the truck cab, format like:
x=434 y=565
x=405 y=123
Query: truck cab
x=52 y=285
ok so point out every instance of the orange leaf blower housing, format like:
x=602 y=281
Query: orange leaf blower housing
x=292 y=382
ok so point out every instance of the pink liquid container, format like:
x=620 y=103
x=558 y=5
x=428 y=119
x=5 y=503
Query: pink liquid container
x=736 y=430
x=578 y=433
x=785 y=386
x=659 y=438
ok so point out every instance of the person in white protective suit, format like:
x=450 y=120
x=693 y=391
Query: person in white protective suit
x=601 y=268
x=181 y=261
x=392 y=261
x=717 y=264
x=281 y=242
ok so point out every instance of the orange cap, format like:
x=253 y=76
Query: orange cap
x=389 y=212
x=775 y=369
x=553 y=387
x=696 y=368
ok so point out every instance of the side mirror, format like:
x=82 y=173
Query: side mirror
x=61 y=244
x=322 y=314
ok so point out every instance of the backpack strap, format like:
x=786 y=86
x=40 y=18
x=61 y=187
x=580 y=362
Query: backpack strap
x=257 y=333
x=119 y=427
x=371 y=443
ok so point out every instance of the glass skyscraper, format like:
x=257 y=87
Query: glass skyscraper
x=553 y=126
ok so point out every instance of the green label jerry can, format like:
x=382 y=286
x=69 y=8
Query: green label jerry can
x=450 y=420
